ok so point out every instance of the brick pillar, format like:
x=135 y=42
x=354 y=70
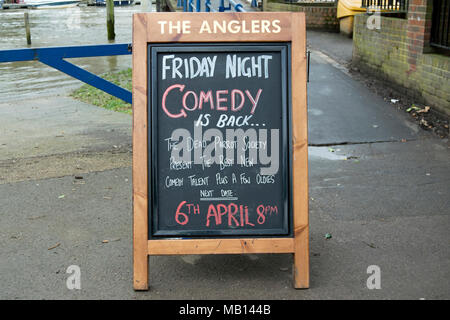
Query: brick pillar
x=418 y=29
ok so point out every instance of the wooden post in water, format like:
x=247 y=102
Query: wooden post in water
x=110 y=19
x=27 y=28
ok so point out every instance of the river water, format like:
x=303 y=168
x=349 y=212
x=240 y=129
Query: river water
x=58 y=27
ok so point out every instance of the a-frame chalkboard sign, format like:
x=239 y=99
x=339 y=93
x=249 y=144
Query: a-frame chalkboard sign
x=219 y=137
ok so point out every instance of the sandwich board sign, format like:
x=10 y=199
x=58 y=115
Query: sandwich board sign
x=219 y=137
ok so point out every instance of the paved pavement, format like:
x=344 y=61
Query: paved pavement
x=335 y=45
x=378 y=185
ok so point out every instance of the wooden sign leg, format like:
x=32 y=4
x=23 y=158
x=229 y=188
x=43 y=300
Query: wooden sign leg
x=140 y=276
x=301 y=259
x=140 y=153
x=300 y=154
x=140 y=244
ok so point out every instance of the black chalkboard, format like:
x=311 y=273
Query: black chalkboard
x=219 y=140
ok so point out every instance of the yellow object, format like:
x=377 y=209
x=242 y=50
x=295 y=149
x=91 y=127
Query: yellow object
x=345 y=11
x=349 y=8
x=346 y=25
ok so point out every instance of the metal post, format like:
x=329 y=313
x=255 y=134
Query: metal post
x=110 y=19
x=208 y=5
x=27 y=28
x=185 y=5
x=308 y=54
x=237 y=6
x=199 y=6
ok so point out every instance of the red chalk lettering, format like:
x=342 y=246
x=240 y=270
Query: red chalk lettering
x=221 y=211
x=224 y=100
x=219 y=100
x=246 y=217
x=182 y=112
x=178 y=213
x=195 y=100
x=255 y=100
x=241 y=213
x=261 y=217
x=204 y=97
x=211 y=213
x=195 y=208
x=233 y=100
x=232 y=210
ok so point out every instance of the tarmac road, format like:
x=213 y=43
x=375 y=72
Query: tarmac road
x=379 y=186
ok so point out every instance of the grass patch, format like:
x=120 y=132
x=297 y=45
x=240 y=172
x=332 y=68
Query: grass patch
x=102 y=99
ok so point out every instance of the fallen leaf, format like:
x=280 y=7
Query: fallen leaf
x=328 y=236
x=412 y=108
x=61 y=196
x=424 y=110
x=424 y=122
x=105 y=241
x=55 y=246
x=370 y=245
x=37 y=217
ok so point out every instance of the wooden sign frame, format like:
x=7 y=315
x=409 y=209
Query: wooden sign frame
x=148 y=28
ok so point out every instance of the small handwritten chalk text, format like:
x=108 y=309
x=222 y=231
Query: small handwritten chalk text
x=231 y=214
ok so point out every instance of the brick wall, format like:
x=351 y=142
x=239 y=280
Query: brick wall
x=318 y=15
x=399 y=52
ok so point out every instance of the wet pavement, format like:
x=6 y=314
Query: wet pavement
x=356 y=115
